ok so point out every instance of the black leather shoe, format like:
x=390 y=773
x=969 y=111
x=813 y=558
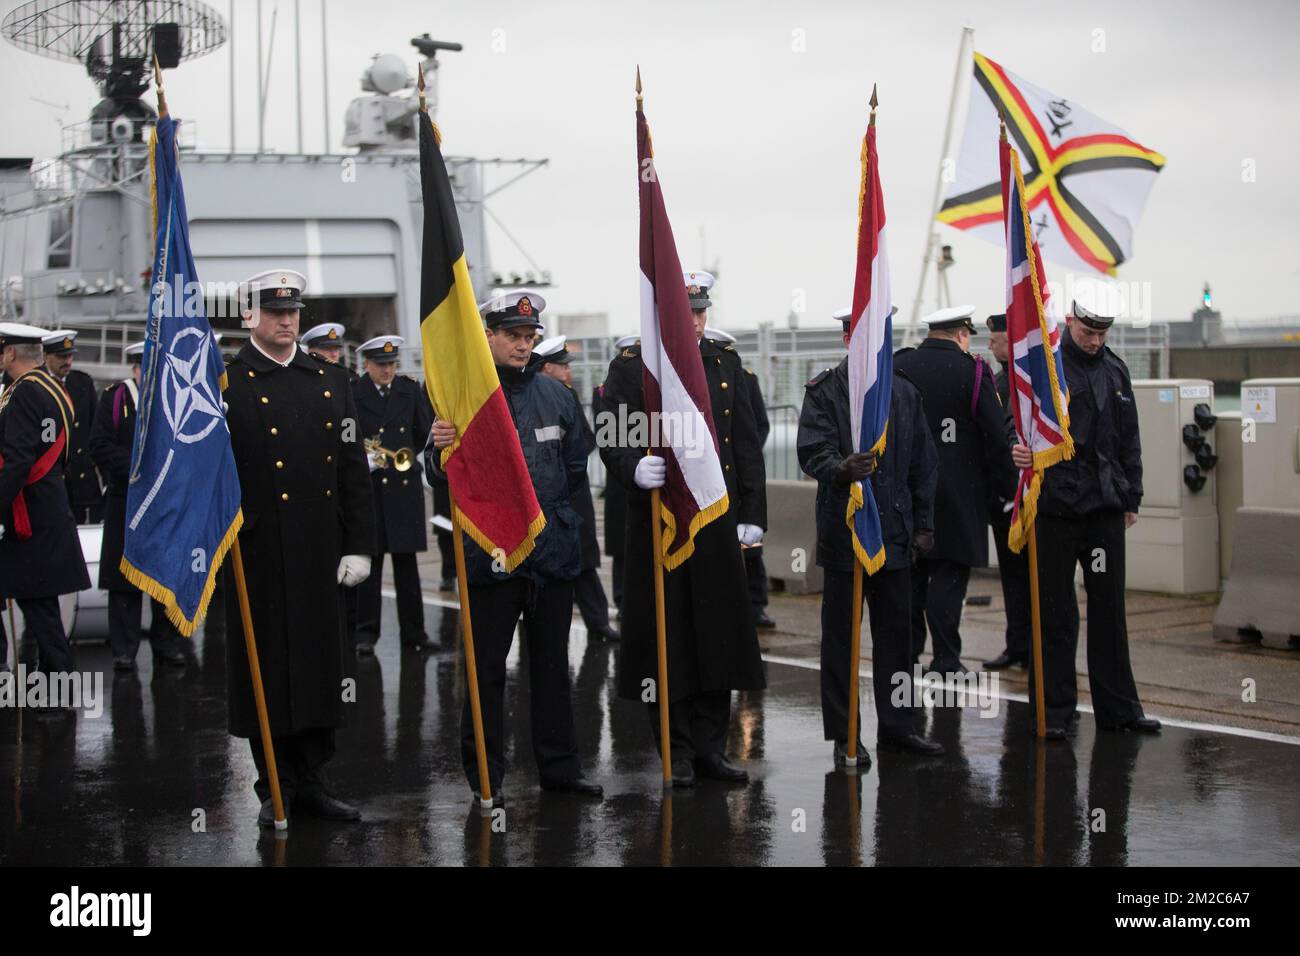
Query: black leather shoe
x=683 y=773
x=266 y=816
x=718 y=767
x=1143 y=725
x=1004 y=661
x=842 y=752
x=761 y=619
x=365 y=649
x=498 y=798
x=578 y=785
x=606 y=634
x=1055 y=733
x=913 y=743
x=124 y=663
x=171 y=656
x=318 y=803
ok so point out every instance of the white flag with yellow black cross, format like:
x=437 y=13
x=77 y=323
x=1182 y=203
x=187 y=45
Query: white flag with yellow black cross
x=1086 y=180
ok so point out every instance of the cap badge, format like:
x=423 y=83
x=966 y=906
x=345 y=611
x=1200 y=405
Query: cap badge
x=693 y=290
x=525 y=307
x=388 y=346
x=284 y=293
x=67 y=343
x=332 y=334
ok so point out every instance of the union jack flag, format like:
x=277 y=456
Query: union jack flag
x=1039 y=399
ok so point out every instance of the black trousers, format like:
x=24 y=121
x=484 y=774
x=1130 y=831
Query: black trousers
x=547 y=612
x=410 y=600
x=756 y=573
x=697 y=724
x=44 y=624
x=592 y=603
x=124 y=631
x=300 y=760
x=938 y=593
x=616 y=579
x=888 y=595
x=1013 y=569
x=447 y=551
x=1097 y=542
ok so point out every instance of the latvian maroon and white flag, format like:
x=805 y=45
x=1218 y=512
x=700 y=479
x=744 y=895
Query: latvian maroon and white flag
x=676 y=392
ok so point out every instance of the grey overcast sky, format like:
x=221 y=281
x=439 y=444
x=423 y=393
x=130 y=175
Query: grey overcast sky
x=758 y=109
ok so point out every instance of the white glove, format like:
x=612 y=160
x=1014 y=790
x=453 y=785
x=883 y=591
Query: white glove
x=651 y=471
x=749 y=534
x=353 y=569
x=374 y=466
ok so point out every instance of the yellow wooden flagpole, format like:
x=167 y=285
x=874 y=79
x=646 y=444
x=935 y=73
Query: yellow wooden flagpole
x=1035 y=617
x=471 y=662
x=259 y=695
x=661 y=639
x=855 y=654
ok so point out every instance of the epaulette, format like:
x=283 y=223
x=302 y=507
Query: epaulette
x=818 y=378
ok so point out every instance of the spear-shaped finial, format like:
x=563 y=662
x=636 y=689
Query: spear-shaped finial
x=1002 y=125
x=874 y=103
x=638 y=84
x=419 y=85
x=158 y=85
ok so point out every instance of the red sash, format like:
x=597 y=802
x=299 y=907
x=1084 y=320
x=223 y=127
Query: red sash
x=22 y=521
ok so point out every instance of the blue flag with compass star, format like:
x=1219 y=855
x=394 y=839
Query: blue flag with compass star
x=182 y=502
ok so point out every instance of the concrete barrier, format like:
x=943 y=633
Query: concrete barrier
x=790 y=545
x=1261 y=600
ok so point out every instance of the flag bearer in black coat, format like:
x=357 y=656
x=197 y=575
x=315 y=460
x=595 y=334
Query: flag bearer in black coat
x=1086 y=504
x=40 y=553
x=540 y=589
x=84 y=492
x=110 y=448
x=755 y=569
x=1013 y=569
x=553 y=359
x=903 y=481
x=308 y=527
x=712 y=645
x=615 y=497
x=966 y=421
x=395 y=418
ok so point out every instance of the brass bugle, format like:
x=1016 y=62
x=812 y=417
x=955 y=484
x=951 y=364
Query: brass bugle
x=402 y=459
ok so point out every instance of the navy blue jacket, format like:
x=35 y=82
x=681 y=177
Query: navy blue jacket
x=904 y=481
x=555 y=450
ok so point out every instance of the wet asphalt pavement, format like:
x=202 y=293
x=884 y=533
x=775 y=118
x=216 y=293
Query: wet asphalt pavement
x=133 y=785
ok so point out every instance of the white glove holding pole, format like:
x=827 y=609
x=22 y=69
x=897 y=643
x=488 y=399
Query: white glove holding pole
x=353 y=569
x=749 y=534
x=651 y=472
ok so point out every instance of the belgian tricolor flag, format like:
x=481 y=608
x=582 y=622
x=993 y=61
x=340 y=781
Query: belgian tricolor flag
x=491 y=491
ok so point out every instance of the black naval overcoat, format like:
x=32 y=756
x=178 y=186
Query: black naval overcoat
x=945 y=377
x=589 y=553
x=306 y=502
x=110 y=449
x=712 y=644
x=79 y=474
x=1105 y=473
x=903 y=483
x=402 y=420
x=615 y=494
x=48 y=563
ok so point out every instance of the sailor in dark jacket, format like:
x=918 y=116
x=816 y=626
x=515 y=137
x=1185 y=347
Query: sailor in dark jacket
x=1086 y=504
x=84 y=492
x=712 y=645
x=966 y=421
x=1013 y=569
x=615 y=496
x=553 y=359
x=40 y=553
x=308 y=527
x=903 y=482
x=110 y=448
x=755 y=569
x=395 y=415
x=540 y=589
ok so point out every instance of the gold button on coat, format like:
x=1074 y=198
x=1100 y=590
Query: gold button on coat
x=285 y=496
